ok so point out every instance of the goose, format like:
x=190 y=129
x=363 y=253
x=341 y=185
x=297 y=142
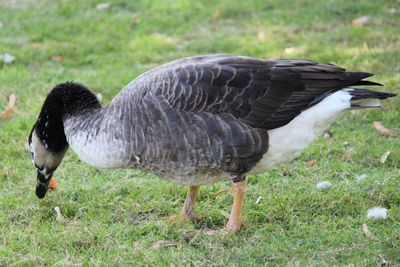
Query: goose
x=199 y=120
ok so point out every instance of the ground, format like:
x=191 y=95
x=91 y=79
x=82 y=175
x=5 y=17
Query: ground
x=115 y=216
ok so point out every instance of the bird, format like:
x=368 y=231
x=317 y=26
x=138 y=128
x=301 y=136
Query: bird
x=199 y=120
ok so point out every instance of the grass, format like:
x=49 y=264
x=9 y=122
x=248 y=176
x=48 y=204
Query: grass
x=292 y=224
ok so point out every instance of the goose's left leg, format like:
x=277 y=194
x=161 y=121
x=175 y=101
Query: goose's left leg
x=188 y=212
x=190 y=202
x=235 y=219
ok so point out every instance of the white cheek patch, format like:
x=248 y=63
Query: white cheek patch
x=43 y=158
x=44 y=173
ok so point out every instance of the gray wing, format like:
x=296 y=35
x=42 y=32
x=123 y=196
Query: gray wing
x=260 y=93
x=170 y=142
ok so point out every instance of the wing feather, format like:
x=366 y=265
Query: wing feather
x=261 y=93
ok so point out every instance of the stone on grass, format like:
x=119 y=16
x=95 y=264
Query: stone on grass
x=377 y=213
x=7 y=58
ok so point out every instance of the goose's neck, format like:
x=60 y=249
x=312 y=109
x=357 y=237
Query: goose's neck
x=65 y=100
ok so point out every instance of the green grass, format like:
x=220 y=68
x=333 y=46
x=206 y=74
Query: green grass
x=293 y=223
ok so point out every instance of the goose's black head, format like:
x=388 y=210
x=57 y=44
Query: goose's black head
x=47 y=140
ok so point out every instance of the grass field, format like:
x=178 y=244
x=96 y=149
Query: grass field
x=293 y=223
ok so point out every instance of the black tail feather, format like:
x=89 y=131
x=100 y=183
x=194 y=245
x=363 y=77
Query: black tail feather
x=367 y=83
x=358 y=93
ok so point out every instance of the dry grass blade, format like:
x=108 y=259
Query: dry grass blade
x=216 y=14
x=57 y=58
x=384 y=157
x=219 y=192
x=261 y=36
x=163 y=243
x=366 y=230
x=224 y=213
x=11 y=103
x=382 y=129
x=59 y=217
x=384 y=261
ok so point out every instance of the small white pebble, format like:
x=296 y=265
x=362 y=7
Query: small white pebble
x=327 y=134
x=7 y=58
x=324 y=185
x=377 y=213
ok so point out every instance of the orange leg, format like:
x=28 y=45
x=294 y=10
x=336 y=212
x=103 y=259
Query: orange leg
x=188 y=208
x=235 y=219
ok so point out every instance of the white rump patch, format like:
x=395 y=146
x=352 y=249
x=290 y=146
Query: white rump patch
x=288 y=141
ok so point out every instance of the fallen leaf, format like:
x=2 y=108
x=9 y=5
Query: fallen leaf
x=384 y=157
x=216 y=14
x=360 y=21
x=311 y=163
x=209 y=231
x=100 y=19
x=59 y=217
x=261 y=36
x=135 y=22
x=103 y=6
x=219 y=192
x=10 y=107
x=163 y=243
x=382 y=129
x=36 y=44
x=57 y=58
x=366 y=230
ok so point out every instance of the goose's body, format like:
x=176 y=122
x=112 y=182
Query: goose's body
x=103 y=149
x=202 y=119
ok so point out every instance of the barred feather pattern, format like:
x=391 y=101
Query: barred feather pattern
x=261 y=93
x=200 y=119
